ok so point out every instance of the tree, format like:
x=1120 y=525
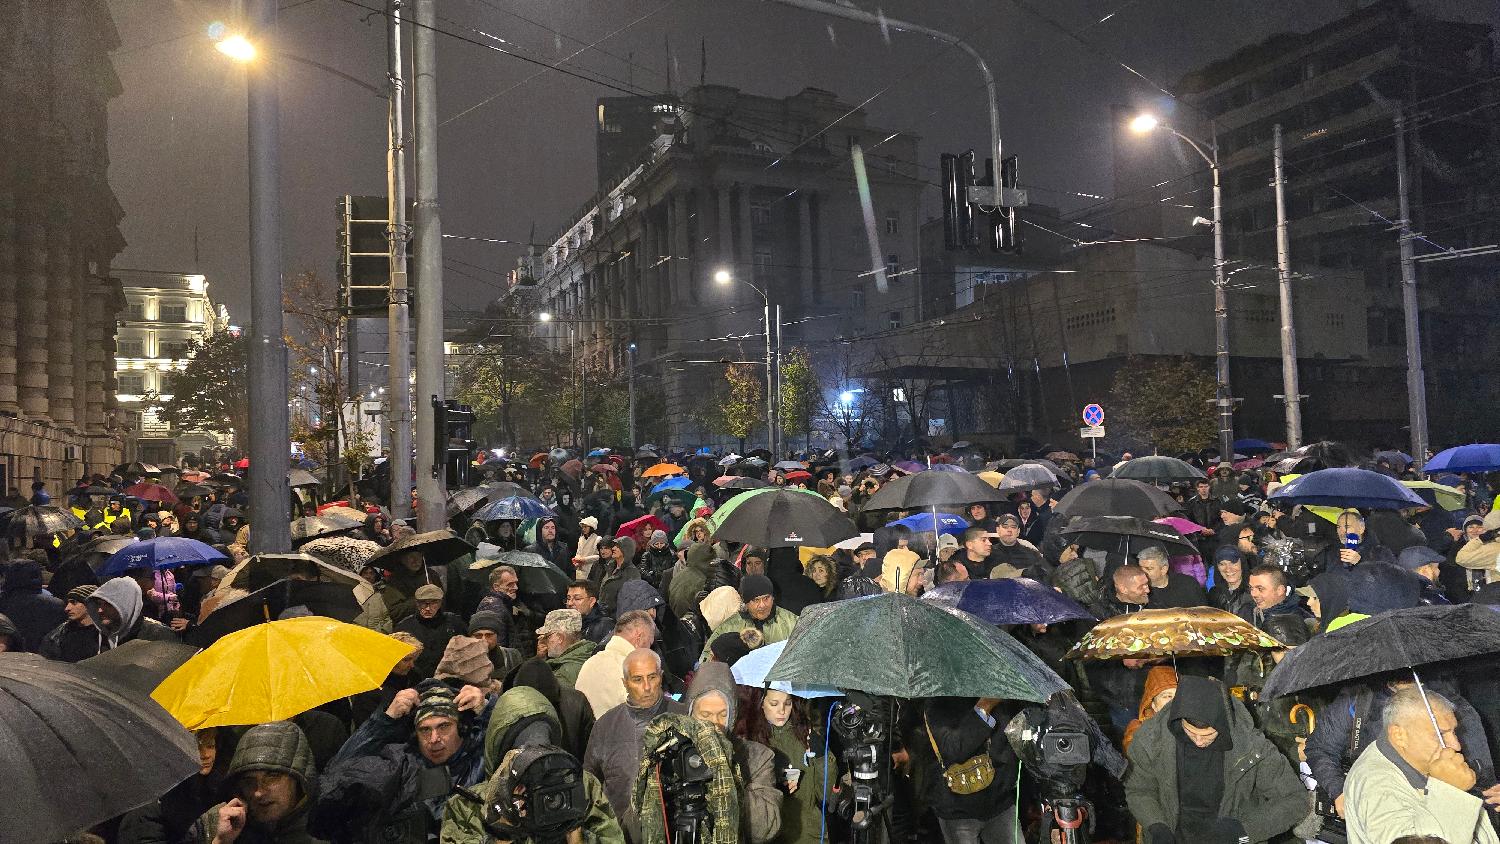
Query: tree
x=209 y=393
x=315 y=339
x=846 y=415
x=1165 y=403
x=743 y=402
x=801 y=394
x=520 y=390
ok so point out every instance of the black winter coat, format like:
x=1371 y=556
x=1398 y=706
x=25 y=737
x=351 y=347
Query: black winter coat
x=434 y=634
x=28 y=606
x=960 y=734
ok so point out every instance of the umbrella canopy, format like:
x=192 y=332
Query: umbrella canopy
x=1449 y=498
x=312 y=527
x=672 y=483
x=1194 y=631
x=1125 y=531
x=437 y=547
x=672 y=496
x=778 y=517
x=751 y=670
x=189 y=491
x=163 y=552
x=1117 y=497
x=344 y=552
x=644 y=523
x=1348 y=488
x=1399 y=459
x=1026 y=477
x=1250 y=445
x=1062 y=456
x=1011 y=463
x=139 y=664
x=1181 y=525
x=1391 y=641
x=1477 y=457
x=893 y=644
x=273 y=671
x=137 y=468
x=933 y=489
x=1158 y=470
x=101 y=549
x=537 y=575
x=908 y=466
x=603 y=467
x=662 y=470
x=791 y=465
x=41 y=520
x=994 y=479
x=738 y=482
x=300 y=478
x=1017 y=600
x=152 y=492
x=515 y=508
x=330 y=600
x=862 y=462
x=945 y=467
x=923 y=523
x=77 y=750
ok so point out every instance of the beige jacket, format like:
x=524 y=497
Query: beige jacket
x=602 y=677
x=1383 y=804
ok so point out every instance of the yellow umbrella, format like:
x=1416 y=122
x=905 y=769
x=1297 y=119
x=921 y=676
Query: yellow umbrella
x=661 y=470
x=992 y=478
x=275 y=670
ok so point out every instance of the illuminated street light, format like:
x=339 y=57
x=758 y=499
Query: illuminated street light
x=723 y=277
x=544 y=316
x=237 y=47
x=1143 y=123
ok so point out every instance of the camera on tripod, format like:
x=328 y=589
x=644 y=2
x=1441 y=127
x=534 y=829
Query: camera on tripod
x=863 y=725
x=539 y=795
x=685 y=776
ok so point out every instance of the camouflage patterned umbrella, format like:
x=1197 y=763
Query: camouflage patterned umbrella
x=1193 y=631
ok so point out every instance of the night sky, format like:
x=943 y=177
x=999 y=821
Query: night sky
x=177 y=133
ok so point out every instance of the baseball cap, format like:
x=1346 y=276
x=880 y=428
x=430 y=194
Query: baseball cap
x=1008 y=519
x=1415 y=556
x=428 y=593
x=562 y=621
x=946 y=541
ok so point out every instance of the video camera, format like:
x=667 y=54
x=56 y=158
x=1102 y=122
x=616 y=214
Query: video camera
x=540 y=795
x=684 y=784
x=1057 y=747
x=863 y=723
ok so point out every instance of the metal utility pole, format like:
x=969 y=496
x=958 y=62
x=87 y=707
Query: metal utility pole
x=431 y=480
x=270 y=497
x=1416 y=381
x=398 y=318
x=780 y=434
x=631 y=381
x=1289 y=387
x=770 y=389
x=1224 y=400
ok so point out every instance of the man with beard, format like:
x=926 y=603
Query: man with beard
x=758 y=611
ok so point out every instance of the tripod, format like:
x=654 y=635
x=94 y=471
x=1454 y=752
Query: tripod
x=1065 y=811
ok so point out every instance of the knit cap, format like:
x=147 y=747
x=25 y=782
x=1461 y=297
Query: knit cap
x=435 y=699
x=79 y=594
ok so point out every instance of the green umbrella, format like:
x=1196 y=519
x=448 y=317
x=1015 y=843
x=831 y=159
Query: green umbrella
x=667 y=496
x=1447 y=497
x=893 y=644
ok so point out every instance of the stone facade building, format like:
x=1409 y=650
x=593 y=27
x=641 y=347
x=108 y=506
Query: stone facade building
x=59 y=231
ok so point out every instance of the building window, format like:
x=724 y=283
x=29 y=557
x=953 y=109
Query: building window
x=892 y=224
x=892 y=264
x=175 y=312
x=858 y=299
x=175 y=350
x=130 y=349
x=131 y=383
x=893 y=319
x=762 y=261
x=760 y=215
x=135 y=311
x=761 y=147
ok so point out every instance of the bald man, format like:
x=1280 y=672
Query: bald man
x=614 y=751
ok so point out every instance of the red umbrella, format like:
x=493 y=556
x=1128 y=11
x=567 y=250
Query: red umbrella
x=1249 y=463
x=152 y=492
x=243 y=463
x=537 y=460
x=635 y=526
x=601 y=468
x=799 y=475
x=573 y=469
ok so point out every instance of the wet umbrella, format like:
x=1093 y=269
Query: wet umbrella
x=1447 y=497
x=185 y=491
x=672 y=496
x=994 y=479
x=137 y=468
x=465 y=499
x=893 y=644
x=1398 y=459
x=41 y=520
x=662 y=470
x=102 y=548
x=514 y=508
x=345 y=552
x=644 y=523
x=739 y=482
x=779 y=517
x=300 y=478
x=1158 y=470
x=944 y=467
x=862 y=462
x=331 y=600
x=1018 y=600
x=78 y=750
x=1011 y=463
x=437 y=547
x=163 y=552
x=1477 y=457
x=672 y=483
x=933 y=489
x=1062 y=457
x=1181 y=525
x=139 y=664
x=1348 y=487
x=960 y=445
x=911 y=467
x=1251 y=446
x=1117 y=497
x=791 y=465
x=312 y=527
x=1026 y=477
x=1193 y=631
x=947 y=523
x=603 y=467
x=1127 y=534
x=751 y=670
x=1392 y=641
x=537 y=576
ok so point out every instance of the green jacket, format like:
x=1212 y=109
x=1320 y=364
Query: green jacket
x=514 y=711
x=566 y=664
x=689 y=580
x=777 y=628
x=801 y=811
x=1260 y=789
x=281 y=747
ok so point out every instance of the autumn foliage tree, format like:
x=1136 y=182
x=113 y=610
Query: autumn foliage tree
x=1165 y=403
x=208 y=393
x=743 y=403
x=801 y=394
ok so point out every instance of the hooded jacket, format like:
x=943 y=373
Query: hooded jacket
x=33 y=611
x=573 y=711
x=521 y=716
x=689 y=580
x=637 y=595
x=610 y=579
x=1259 y=790
x=124 y=594
x=755 y=764
x=600 y=678
x=280 y=747
x=567 y=664
x=777 y=628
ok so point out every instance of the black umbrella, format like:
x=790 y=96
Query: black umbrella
x=334 y=600
x=1158 y=470
x=536 y=575
x=1126 y=534
x=312 y=527
x=933 y=489
x=1027 y=477
x=778 y=517
x=300 y=477
x=41 y=520
x=140 y=664
x=77 y=751
x=1391 y=641
x=1117 y=497
x=1011 y=463
x=186 y=491
x=437 y=547
x=743 y=483
x=99 y=550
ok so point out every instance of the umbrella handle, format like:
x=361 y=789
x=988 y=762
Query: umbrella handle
x=1301 y=709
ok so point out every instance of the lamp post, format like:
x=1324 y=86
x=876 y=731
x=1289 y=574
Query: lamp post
x=725 y=277
x=1223 y=398
x=631 y=381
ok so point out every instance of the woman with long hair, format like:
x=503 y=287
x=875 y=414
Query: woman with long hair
x=780 y=722
x=824 y=571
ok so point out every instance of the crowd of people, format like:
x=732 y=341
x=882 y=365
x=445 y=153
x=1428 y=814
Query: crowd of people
x=506 y=676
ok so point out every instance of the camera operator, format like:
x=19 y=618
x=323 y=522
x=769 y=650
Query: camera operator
x=712 y=699
x=971 y=786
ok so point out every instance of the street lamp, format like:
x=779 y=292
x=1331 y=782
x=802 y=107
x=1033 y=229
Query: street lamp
x=237 y=47
x=724 y=277
x=1224 y=397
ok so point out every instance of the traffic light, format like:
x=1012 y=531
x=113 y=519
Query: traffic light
x=958 y=213
x=1005 y=233
x=453 y=426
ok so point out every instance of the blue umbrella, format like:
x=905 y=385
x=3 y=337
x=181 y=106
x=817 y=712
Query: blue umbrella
x=922 y=522
x=598 y=452
x=751 y=670
x=1009 y=601
x=1399 y=459
x=514 y=509
x=1348 y=488
x=946 y=467
x=1478 y=457
x=163 y=552
x=679 y=482
x=1250 y=444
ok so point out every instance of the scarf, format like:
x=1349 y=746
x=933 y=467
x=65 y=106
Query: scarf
x=723 y=789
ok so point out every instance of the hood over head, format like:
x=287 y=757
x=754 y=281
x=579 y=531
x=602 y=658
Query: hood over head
x=1201 y=700
x=718 y=605
x=521 y=716
x=534 y=673
x=124 y=594
x=637 y=595
x=23 y=575
x=279 y=746
x=713 y=678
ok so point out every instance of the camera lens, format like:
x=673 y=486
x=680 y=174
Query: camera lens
x=1065 y=745
x=552 y=802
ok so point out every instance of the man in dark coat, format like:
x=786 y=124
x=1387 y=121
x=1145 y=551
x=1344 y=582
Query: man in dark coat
x=583 y=596
x=271 y=778
x=32 y=609
x=550 y=548
x=116 y=610
x=432 y=627
x=76 y=638
x=614 y=750
x=958 y=729
x=616 y=565
x=1169 y=589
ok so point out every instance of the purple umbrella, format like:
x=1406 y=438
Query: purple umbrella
x=910 y=467
x=1008 y=601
